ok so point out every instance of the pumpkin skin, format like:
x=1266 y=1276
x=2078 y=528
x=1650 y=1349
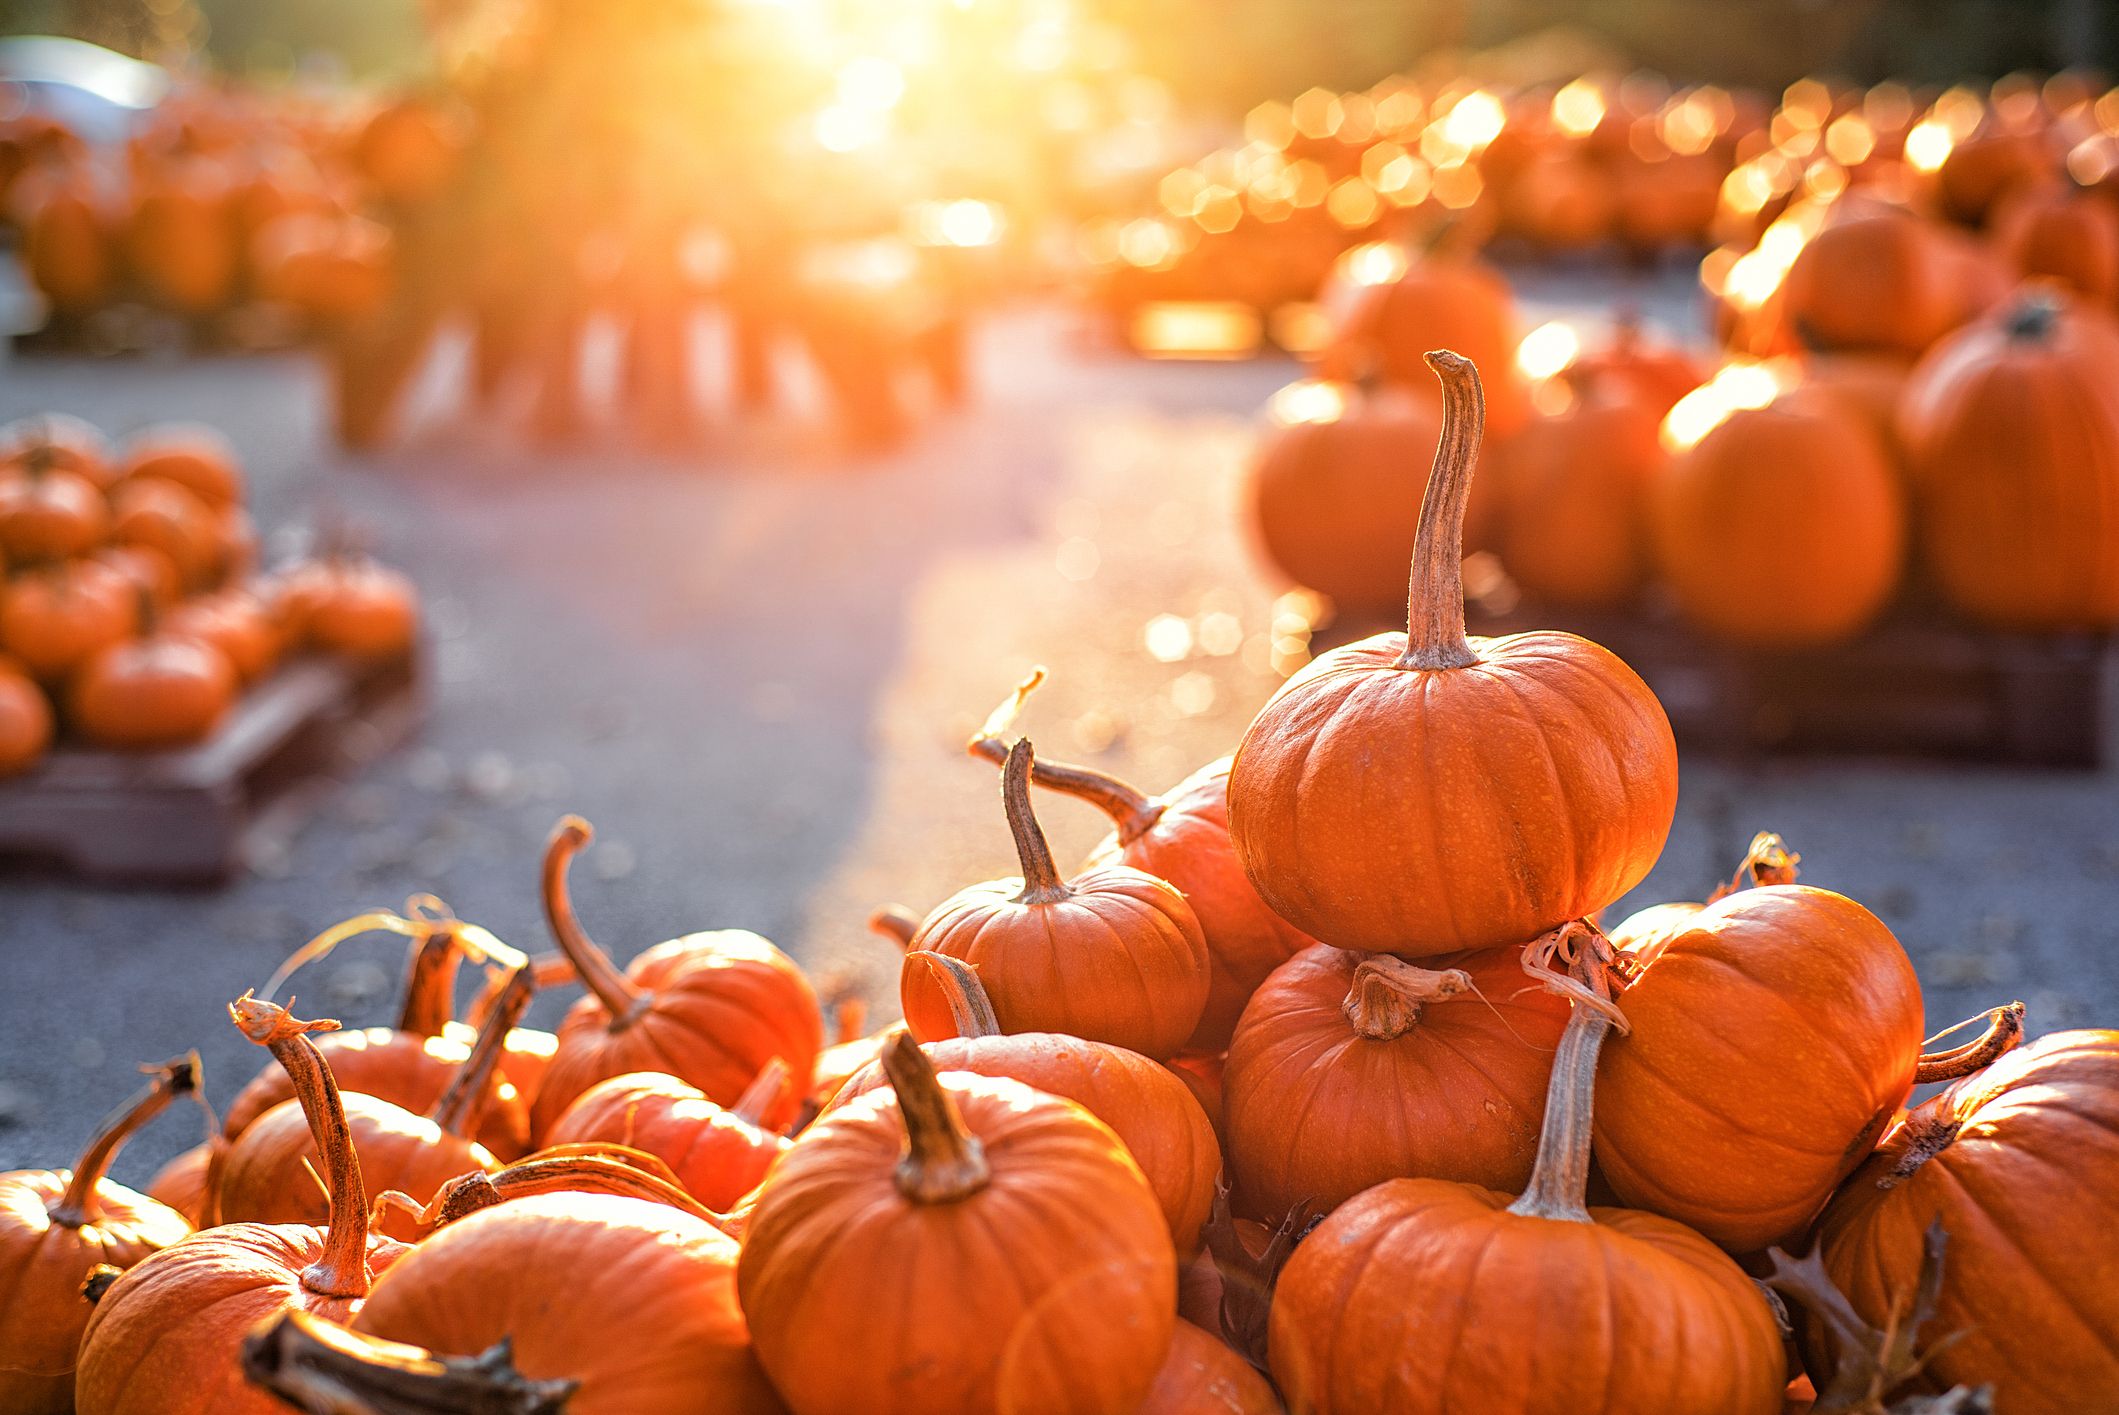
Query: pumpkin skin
x=25 y=721
x=48 y=513
x=365 y=610
x=1783 y=525
x=153 y=693
x=2015 y=1163
x=66 y=246
x=1774 y=1034
x=642 y=1312
x=180 y=239
x=1872 y=384
x=1547 y=1299
x=235 y=624
x=2011 y=431
x=55 y=1227
x=1576 y=532
x=166 y=517
x=1182 y=837
x=1151 y=1110
x=1873 y=278
x=54 y=620
x=1635 y=366
x=996 y=1173
x=1320 y=1104
x=2064 y=234
x=194 y=456
x=1457 y=856
x=710 y=1009
x=406 y=1069
x=1128 y=946
x=182 y=1184
x=61 y=441
x=718 y=1155
x=1201 y=1376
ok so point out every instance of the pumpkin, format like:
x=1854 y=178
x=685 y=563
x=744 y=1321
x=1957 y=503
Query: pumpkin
x=25 y=721
x=1576 y=532
x=1985 y=167
x=179 y=238
x=1813 y=563
x=1561 y=202
x=58 y=1225
x=47 y=512
x=354 y=605
x=61 y=442
x=331 y=268
x=163 y=1339
x=1793 y=1017
x=1181 y=837
x=1333 y=505
x=1634 y=365
x=189 y=1182
x=1151 y=1111
x=66 y=244
x=156 y=692
x=318 y=1365
x=193 y=456
x=1668 y=201
x=2011 y=431
x=1113 y=955
x=1201 y=1376
x=1422 y=1295
x=1028 y=1263
x=710 y=1009
x=853 y=1049
x=1870 y=383
x=407 y=151
x=2063 y=234
x=234 y=622
x=717 y=1155
x=52 y=620
x=1349 y=1069
x=1531 y=778
x=168 y=518
x=148 y=571
x=1874 y=277
x=2014 y=1164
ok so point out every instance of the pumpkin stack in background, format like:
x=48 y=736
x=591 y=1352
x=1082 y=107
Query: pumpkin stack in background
x=133 y=616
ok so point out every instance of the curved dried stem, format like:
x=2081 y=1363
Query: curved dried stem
x=80 y=1203
x=461 y=1108
x=1384 y=1000
x=312 y=1364
x=1559 y=1179
x=601 y=976
x=1041 y=878
x=561 y=1169
x=2003 y=1034
x=895 y=922
x=970 y=1008
x=1434 y=634
x=1133 y=811
x=1768 y=861
x=943 y=1161
x=1247 y=1282
x=765 y=1091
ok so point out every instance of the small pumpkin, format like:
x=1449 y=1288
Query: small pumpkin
x=1127 y=945
x=1874 y=277
x=164 y=1338
x=61 y=442
x=1549 y=1304
x=67 y=248
x=1631 y=363
x=25 y=721
x=710 y=1009
x=1576 y=530
x=187 y=1183
x=235 y=622
x=149 y=571
x=180 y=239
x=1182 y=837
x=54 y=619
x=167 y=517
x=1349 y=1069
x=56 y=1226
x=151 y=693
x=1526 y=780
x=352 y=605
x=194 y=456
x=2064 y=234
x=1030 y=1265
x=717 y=1155
x=1202 y=1376
x=46 y=511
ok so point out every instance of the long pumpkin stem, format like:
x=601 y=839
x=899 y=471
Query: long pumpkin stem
x=1041 y=878
x=601 y=976
x=763 y=1093
x=2003 y=1034
x=970 y=1009
x=342 y=1271
x=1385 y=998
x=1559 y=1179
x=1434 y=632
x=1133 y=811
x=430 y=983
x=313 y=1364
x=563 y=1169
x=895 y=921
x=80 y=1204
x=943 y=1161
x=461 y=1108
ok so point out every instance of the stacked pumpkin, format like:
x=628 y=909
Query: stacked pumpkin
x=131 y=613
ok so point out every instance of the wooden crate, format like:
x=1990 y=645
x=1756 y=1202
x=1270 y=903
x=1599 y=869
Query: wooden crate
x=1918 y=684
x=190 y=816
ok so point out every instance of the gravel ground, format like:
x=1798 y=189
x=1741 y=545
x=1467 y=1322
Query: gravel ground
x=753 y=670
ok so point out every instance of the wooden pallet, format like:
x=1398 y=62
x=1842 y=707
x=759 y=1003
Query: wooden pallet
x=191 y=816
x=1917 y=684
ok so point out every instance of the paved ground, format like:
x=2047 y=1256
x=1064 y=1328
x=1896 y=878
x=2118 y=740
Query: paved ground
x=753 y=671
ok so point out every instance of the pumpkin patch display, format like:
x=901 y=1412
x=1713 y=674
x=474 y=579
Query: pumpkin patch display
x=717 y=1155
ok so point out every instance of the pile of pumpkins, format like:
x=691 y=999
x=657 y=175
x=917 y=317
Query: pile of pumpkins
x=1317 y=1084
x=132 y=614
x=222 y=201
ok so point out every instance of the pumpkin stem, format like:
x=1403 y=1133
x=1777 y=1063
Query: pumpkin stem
x=342 y=1271
x=563 y=1169
x=312 y=1364
x=1384 y=1001
x=460 y=1109
x=1926 y=1132
x=2003 y=1034
x=1041 y=878
x=970 y=1008
x=598 y=972
x=2032 y=317
x=943 y=1161
x=1768 y=861
x=1434 y=631
x=763 y=1093
x=895 y=921
x=101 y=1279
x=1247 y=1282
x=430 y=977
x=1133 y=811
x=1560 y=1177
x=849 y=1018
x=80 y=1204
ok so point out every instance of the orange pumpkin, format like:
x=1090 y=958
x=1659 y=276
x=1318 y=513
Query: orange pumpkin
x=1349 y=1069
x=61 y=442
x=58 y=1225
x=55 y=619
x=179 y=238
x=150 y=572
x=1984 y=168
x=163 y=1340
x=350 y=605
x=335 y=269
x=1576 y=532
x=1813 y=562
x=25 y=721
x=46 y=511
x=187 y=1184
x=194 y=456
x=2015 y=1166
x=1181 y=836
x=1870 y=383
x=233 y=622
x=1031 y=1267
x=164 y=516
x=1527 y=779
x=147 y=694
x=717 y=1155
x=1112 y=955
x=1634 y=365
x=407 y=151
x=1422 y=1296
x=1201 y=1376
x=66 y=244
x=1561 y=202
x=710 y=1009
x=1874 y=277
x=2011 y=431
x=2065 y=235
